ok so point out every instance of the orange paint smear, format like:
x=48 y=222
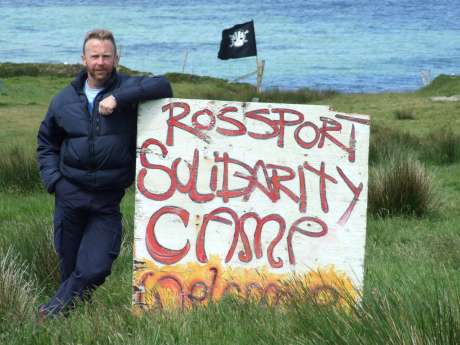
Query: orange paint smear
x=193 y=284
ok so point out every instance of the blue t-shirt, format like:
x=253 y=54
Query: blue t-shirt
x=91 y=95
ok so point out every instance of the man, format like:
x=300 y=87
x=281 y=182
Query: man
x=86 y=155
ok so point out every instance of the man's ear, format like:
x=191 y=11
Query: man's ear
x=117 y=59
x=83 y=60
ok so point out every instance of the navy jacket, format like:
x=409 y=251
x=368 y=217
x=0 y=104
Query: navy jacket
x=94 y=151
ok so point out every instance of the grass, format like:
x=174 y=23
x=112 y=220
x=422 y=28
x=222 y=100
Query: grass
x=443 y=146
x=18 y=170
x=17 y=290
x=412 y=287
x=404 y=114
x=401 y=186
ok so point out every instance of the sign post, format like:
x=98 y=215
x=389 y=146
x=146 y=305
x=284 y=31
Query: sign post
x=241 y=198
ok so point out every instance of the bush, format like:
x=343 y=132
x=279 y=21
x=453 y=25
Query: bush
x=402 y=186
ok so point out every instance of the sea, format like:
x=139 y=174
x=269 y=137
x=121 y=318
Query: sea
x=344 y=45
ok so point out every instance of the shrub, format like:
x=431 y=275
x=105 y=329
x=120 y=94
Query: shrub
x=17 y=292
x=402 y=186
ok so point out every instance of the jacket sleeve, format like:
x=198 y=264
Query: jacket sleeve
x=49 y=140
x=139 y=89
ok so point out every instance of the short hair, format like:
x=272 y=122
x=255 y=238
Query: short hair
x=100 y=34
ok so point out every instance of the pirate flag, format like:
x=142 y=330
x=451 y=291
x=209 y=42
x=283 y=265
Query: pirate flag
x=237 y=42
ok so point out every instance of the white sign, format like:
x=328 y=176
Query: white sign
x=240 y=197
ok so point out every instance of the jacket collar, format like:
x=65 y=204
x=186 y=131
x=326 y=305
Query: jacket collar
x=79 y=82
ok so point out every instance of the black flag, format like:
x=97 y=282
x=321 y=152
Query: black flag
x=237 y=42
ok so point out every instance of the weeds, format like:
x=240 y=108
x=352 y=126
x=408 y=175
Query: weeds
x=401 y=187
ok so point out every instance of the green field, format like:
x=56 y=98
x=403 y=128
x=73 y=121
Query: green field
x=412 y=282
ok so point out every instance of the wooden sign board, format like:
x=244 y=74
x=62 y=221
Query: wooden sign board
x=243 y=199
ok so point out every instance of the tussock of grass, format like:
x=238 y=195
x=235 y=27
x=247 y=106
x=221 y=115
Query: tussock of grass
x=18 y=170
x=387 y=142
x=17 y=290
x=442 y=147
x=404 y=114
x=402 y=186
x=33 y=241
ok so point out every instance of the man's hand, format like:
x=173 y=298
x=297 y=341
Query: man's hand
x=107 y=105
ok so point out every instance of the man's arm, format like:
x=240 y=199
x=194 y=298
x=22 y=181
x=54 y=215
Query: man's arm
x=138 y=89
x=49 y=140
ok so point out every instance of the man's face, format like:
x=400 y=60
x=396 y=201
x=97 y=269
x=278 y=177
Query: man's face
x=99 y=59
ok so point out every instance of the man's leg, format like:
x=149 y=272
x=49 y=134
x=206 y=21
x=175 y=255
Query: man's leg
x=70 y=220
x=99 y=247
x=69 y=224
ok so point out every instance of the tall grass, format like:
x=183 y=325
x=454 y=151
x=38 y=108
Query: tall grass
x=17 y=289
x=18 y=170
x=33 y=241
x=402 y=186
x=442 y=146
x=414 y=311
x=386 y=142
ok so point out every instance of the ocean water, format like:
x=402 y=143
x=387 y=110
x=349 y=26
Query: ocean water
x=347 y=45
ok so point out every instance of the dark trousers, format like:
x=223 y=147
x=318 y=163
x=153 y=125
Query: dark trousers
x=87 y=238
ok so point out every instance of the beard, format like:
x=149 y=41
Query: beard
x=100 y=75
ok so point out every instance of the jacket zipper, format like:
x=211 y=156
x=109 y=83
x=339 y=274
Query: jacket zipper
x=95 y=129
